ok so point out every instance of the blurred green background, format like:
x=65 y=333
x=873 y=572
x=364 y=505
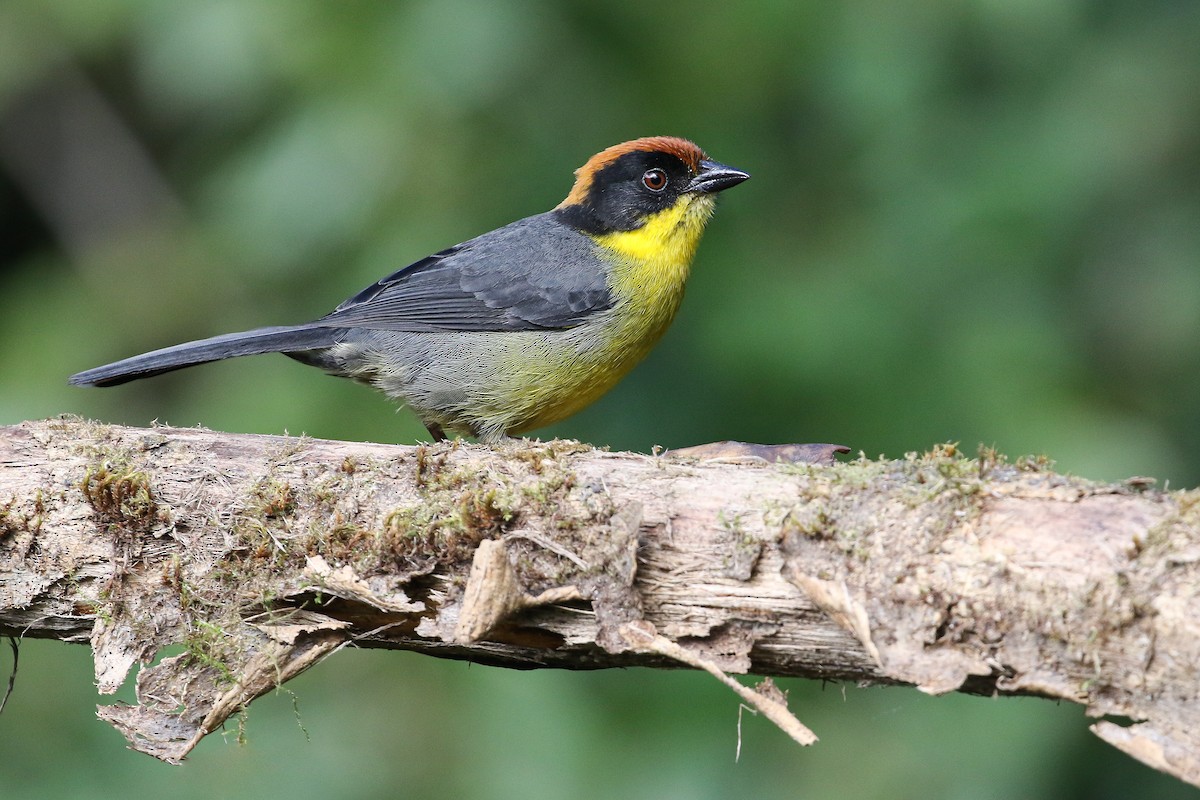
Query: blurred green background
x=974 y=221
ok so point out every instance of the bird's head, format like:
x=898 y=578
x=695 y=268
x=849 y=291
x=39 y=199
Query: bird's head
x=657 y=180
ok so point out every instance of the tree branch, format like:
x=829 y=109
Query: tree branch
x=261 y=555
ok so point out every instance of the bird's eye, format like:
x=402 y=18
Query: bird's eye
x=654 y=179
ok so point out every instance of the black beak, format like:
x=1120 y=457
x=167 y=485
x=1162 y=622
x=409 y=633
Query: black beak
x=716 y=177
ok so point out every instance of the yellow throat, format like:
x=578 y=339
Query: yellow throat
x=651 y=263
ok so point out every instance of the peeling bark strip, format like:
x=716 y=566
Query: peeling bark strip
x=261 y=555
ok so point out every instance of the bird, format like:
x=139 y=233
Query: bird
x=519 y=327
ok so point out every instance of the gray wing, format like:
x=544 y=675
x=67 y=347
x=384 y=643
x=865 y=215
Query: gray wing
x=534 y=274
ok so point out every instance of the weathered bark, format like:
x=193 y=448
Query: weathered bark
x=263 y=554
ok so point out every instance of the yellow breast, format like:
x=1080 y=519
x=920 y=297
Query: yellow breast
x=651 y=263
x=546 y=376
x=650 y=266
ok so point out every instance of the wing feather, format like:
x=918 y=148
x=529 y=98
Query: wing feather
x=534 y=274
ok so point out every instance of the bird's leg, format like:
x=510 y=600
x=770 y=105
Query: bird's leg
x=435 y=431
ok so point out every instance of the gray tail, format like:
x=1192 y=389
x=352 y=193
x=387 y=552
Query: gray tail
x=247 y=343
